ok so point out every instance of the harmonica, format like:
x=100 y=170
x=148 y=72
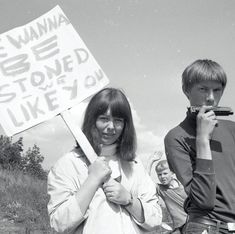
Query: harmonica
x=218 y=110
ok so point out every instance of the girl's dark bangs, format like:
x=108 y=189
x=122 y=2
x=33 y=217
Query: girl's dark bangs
x=103 y=106
x=118 y=109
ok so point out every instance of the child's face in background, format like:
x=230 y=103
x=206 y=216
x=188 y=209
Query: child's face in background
x=165 y=176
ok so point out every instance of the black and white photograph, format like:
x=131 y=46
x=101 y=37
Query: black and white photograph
x=117 y=117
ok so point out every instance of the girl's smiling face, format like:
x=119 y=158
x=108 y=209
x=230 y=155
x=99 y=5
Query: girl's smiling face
x=109 y=127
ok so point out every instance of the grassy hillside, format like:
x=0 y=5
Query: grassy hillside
x=23 y=201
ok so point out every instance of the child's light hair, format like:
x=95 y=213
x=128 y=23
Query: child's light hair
x=203 y=70
x=161 y=165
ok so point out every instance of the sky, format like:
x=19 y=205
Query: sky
x=143 y=46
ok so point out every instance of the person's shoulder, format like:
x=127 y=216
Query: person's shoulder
x=173 y=133
x=68 y=159
x=228 y=123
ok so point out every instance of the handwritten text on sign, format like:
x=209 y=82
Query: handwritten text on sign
x=45 y=68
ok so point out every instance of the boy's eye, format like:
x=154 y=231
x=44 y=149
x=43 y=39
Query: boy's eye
x=218 y=90
x=202 y=89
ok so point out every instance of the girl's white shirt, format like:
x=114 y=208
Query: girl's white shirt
x=66 y=177
x=109 y=152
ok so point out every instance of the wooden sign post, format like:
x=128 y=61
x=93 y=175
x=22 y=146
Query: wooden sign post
x=79 y=136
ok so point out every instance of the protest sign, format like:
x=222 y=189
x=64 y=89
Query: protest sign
x=45 y=69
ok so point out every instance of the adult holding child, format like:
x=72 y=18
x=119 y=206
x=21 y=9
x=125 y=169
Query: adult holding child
x=112 y=195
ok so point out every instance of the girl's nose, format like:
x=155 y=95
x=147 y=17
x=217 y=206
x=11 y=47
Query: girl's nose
x=110 y=125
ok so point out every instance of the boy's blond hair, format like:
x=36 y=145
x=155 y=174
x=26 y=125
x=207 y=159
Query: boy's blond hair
x=161 y=165
x=203 y=70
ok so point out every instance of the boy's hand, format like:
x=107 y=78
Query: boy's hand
x=206 y=121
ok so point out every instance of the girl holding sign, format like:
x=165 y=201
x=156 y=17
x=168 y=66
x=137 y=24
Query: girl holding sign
x=114 y=194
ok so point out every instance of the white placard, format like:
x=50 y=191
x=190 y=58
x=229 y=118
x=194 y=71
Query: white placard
x=45 y=68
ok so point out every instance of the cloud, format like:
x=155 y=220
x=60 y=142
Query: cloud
x=148 y=143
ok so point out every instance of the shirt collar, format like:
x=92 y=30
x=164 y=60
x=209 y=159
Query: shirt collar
x=191 y=117
x=108 y=150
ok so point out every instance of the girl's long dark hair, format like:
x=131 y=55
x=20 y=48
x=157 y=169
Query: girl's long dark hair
x=119 y=106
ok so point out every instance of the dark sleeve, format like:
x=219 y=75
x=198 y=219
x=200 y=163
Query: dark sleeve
x=200 y=183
